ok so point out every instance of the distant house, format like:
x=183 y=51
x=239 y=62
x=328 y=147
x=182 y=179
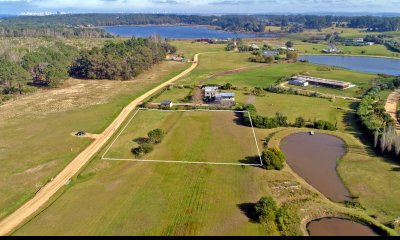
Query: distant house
x=270 y=53
x=331 y=49
x=168 y=104
x=211 y=92
x=360 y=40
x=225 y=98
x=288 y=49
x=254 y=47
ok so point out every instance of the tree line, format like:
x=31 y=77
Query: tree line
x=372 y=23
x=376 y=122
x=28 y=29
x=280 y=120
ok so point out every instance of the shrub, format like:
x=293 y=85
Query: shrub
x=300 y=122
x=287 y=221
x=265 y=210
x=143 y=149
x=273 y=159
x=156 y=136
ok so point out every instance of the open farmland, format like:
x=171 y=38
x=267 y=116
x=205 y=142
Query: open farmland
x=36 y=129
x=195 y=136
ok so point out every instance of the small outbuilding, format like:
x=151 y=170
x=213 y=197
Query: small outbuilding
x=166 y=104
x=225 y=98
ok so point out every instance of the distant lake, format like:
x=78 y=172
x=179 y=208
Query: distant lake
x=359 y=64
x=177 y=32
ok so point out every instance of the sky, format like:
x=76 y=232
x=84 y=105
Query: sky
x=199 y=6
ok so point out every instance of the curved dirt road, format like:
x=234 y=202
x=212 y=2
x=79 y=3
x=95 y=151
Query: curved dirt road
x=8 y=224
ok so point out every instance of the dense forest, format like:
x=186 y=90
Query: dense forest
x=120 y=60
x=49 y=66
x=44 y=67
x=33 y=30
x=318 y=22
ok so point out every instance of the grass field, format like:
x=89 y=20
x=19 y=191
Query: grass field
x=268 y=75
x=213 y=63
x=190 y=48
x=175 y=95
x=209 y=134
x=36 y=140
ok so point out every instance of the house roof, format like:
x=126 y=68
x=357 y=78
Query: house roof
x=230 y=95
x=211 y=89
x=166 y=102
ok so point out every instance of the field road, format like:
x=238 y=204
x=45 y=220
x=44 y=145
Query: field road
x=8 y=224
x=391 y=107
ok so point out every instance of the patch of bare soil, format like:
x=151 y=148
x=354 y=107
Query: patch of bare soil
x=197 y=96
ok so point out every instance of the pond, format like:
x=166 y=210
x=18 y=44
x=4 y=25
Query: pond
x=360 y=64
x=178 y=32
x=338 y=227
x=314 y=158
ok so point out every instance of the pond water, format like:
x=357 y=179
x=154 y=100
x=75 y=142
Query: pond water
x=177 y=32
x=338 y=227
x=359 y=64
x=314 y=158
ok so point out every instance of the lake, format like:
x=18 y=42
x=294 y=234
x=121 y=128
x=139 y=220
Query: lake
x=359 y=64
x=177 y=32
x=314 y=158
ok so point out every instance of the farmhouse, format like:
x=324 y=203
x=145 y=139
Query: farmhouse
x=319 y=82
x=211 y=92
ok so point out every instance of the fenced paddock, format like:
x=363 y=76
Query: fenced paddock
x=192 y=137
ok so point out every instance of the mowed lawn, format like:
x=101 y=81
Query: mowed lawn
x=36 y=141
x=268 y=75
x=175 y=95
x=198 y=136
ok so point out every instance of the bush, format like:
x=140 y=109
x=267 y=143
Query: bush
x=273 y=159
x=287 y=221
x=143 y=149
x=324 y=125
x=300 y=122
x=266 y=209
x=156 y=136
x=227 y=86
